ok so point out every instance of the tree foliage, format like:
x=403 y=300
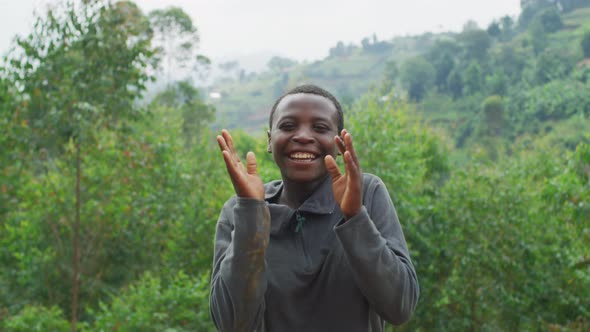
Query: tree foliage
x=177 y=40
x=476 y=43
x=81 y=65
x=154 y=305
x=417 y=76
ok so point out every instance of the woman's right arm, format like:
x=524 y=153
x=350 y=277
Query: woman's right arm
x=238 y=281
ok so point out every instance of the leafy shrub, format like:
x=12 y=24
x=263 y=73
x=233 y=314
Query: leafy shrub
x=499 y=243
x=36 y=319
x=152 y=304
x=552 y=101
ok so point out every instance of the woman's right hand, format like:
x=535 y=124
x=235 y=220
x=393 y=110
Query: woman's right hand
x=247 y=183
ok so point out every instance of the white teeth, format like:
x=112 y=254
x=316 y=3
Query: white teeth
x=302 y=155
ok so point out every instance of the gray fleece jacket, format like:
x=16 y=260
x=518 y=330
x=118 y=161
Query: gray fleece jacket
x=309 y=269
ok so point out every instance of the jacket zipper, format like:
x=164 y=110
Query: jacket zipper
x=299 y=229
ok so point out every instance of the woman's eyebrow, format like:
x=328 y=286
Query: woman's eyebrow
x=317 y=103
x=319 y=118
x=286 y=117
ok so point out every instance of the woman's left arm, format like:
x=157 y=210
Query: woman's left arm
x=372 y=237
x=377 y=252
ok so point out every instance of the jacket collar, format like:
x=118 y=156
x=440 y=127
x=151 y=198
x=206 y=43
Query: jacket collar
x=320 y=202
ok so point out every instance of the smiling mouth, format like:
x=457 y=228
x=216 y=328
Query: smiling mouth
x=303 y=156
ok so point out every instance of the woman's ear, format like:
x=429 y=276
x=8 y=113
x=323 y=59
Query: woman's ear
x=268 y=149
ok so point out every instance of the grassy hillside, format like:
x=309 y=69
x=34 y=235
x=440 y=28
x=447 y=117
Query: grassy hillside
x=245 y=103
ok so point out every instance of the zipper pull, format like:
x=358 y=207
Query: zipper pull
x=300 y=220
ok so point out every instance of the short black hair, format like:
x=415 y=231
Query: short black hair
x=315 y=90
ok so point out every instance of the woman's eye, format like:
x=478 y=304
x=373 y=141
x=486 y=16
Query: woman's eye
x=287 y=126
x=321 y=128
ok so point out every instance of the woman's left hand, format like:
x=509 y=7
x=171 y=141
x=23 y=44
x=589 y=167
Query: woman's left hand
x=347 y=187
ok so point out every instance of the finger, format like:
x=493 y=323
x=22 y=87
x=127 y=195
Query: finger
x=229 y=140
x=352 y=171
x=231 y=166
x=332 y=167
x=350 y=147
x=340 y=144
x=222 y=144
x=251 y=165
x=231 y=149
x=226 y=152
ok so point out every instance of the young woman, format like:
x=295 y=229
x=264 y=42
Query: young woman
x=319 y=250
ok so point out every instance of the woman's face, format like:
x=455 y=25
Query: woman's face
x=302 y=134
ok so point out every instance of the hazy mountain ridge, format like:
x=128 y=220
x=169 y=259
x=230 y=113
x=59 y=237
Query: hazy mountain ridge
x=352 y=70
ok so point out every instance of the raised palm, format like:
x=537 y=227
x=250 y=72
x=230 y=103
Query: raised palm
x=247 y=183
x=347 y=187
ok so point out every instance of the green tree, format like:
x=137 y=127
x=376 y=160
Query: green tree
x=455 y=83
x=185 y=98
x=495 y=239
x=280 y=64
x=414 y=148
x=90 y=72
x=390 y=77
x=507 y=27
x=493 y=122
x=82 y=68
x=473 y=78
x=417 y=75
x=530 y=10
x=512 y=61
x=340 y=50
x=475 y=43
x=550 y=20
x=538 y=37
x=494 y=29
x=556 y=100
x=552 y=65
x=14 y=140
x=497 y=83
x=442 y=56
x=177 y=39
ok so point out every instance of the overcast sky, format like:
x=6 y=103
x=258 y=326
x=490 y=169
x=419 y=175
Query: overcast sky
x=301 y=29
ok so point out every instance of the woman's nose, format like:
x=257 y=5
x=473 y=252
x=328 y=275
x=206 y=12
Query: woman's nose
x=304 y=135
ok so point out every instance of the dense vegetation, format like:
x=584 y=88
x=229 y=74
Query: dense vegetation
x=108 y=204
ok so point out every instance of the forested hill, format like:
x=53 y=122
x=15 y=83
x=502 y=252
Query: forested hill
x=534 y=67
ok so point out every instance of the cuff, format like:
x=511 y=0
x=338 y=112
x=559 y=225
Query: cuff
x=358 y=229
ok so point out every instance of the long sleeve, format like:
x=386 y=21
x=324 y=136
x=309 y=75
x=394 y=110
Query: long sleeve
x=238 y=280
x=377 y=252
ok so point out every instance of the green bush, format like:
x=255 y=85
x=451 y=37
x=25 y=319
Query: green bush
x=36 y=319
x=550 y=19
x=556 y=100
x=492 y=122
x=392 y=143
x=501 y=233
x=151 y=304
